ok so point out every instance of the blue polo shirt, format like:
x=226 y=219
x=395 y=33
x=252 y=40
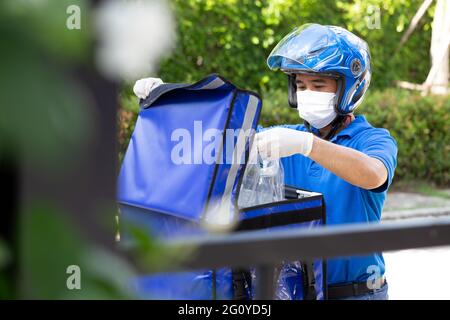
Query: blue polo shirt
x=347 y=203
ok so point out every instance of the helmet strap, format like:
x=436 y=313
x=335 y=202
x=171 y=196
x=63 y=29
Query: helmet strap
x=336 y=124
x=292 y=91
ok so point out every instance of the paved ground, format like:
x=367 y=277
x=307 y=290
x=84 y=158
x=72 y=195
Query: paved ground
x=417 y=273
x=401 y=205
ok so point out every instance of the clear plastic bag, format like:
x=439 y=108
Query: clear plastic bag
x=263 y=182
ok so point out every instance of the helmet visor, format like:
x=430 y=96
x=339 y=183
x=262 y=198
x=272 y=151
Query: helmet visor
x=303 y=43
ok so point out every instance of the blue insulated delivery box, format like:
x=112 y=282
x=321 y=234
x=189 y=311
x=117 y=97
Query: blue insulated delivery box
x=184 y=166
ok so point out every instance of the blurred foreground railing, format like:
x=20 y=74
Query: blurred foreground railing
x=266 y=250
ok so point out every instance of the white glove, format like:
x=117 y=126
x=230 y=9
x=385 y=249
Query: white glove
x=143 y=87
x=283 y=142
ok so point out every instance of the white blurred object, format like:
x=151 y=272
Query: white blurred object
x=143 y=87
x=133 y=36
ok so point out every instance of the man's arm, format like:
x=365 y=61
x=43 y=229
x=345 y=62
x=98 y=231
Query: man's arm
x=351 y=165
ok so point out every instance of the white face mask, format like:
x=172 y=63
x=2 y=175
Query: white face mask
x=317 y=108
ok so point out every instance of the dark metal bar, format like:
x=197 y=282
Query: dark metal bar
x=265 y=286
x=244 y=249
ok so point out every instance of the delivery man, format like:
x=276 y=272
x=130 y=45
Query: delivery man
x=334 y=152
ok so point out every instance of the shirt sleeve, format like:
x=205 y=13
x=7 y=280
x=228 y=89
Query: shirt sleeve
x=380 y=145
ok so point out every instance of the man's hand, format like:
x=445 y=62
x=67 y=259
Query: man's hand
x=143 y=87
x=283 y=142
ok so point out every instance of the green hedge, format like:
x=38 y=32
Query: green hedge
x=234 y=37
x=420 y=125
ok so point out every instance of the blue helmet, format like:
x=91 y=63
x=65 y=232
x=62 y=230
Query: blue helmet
x=325 y=50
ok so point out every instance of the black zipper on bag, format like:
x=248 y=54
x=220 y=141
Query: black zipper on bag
x=287 y=201
x=281 y=219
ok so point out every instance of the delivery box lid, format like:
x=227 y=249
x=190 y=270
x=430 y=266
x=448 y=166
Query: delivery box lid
x=170 y=165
